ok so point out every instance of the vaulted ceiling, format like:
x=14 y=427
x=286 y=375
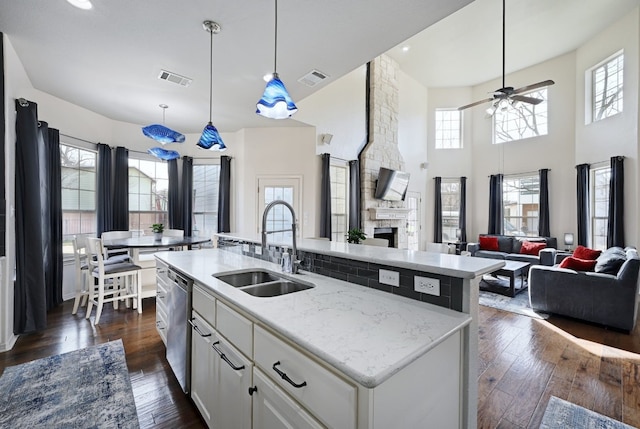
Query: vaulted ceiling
x=108 y=59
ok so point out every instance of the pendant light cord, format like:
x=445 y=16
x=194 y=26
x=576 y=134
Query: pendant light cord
x=503 y=42
x=211 y=77
x=275 y=42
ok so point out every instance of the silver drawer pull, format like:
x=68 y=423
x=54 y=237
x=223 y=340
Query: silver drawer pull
x=198 y=330
x=225 y=358
x=159 y=295
x=286 y=378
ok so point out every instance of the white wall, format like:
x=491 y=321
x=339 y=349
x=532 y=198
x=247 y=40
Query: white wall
x=554 y=151
x=412 y=139
x=617 y=135
x=277 y=152
x=338 y=109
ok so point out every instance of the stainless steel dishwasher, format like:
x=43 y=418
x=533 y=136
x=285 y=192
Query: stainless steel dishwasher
x=178 y=329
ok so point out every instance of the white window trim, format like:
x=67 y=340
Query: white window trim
x=588 y=88
x=461 y=129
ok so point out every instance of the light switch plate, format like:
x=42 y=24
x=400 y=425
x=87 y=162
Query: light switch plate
x=245 y=248
x=258 y=250
x=389 y=277
x=426 y=285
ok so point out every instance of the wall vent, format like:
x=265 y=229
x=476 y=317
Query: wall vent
x=175 y=78
x=313 y=78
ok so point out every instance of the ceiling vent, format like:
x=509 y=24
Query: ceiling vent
x=313 y=78
x=175 y=78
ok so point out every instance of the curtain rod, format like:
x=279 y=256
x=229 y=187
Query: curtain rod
x=521 y=174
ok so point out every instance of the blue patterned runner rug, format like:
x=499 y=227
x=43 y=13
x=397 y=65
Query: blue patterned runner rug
x=80 y=389
x=561 y=414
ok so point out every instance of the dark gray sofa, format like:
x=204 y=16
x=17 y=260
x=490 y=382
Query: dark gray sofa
x=607 y=299
x=509 y=249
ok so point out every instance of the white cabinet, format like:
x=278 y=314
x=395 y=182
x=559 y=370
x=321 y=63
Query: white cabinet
x=274 y=409
x=231 y=381
x=203 y=359
x=162 y=282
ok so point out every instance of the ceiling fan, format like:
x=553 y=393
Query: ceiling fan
x=504 y=97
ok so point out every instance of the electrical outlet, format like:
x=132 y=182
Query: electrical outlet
x=245 y=248
x=258 y=250
x=388 y=277
x=426 y=285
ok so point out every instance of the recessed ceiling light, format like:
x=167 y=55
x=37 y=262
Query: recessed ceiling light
x=405 y=48
x=81 y=4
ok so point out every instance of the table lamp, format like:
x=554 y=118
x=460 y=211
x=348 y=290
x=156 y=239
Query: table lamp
x=568 y=240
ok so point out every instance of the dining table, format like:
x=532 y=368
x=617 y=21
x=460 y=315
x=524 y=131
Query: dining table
x=148 y=244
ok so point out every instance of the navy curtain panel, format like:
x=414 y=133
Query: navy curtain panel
x=615 y=226
x=174 y=209
x=325 y=196
x=354 y=194
x=53 y=251
x=187 y=195
x=437 y=211
x=224 y=195
x=30 y=301
x=496 y=216
x=462 y=216
x=582 y=188
x=121 y=190
x=543 y=225
x=104 y=211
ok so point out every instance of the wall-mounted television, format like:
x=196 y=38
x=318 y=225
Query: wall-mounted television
x=391 y=184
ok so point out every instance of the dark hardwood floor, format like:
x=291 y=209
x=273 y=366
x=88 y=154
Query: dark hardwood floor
x=523 y=362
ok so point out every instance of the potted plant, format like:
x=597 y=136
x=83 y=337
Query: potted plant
x=157 y=229
x=354 y=235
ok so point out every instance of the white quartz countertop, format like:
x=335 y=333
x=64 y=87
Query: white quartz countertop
x=367 y=334
x=438 y=263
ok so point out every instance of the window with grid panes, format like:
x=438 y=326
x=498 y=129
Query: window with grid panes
x=205 y=198
x=521 y=205
x=450 y=194
x=339 y=209
x=599 y=184
x=606 y=88
x=521 y=120
x=148 y=194
x=448 y=129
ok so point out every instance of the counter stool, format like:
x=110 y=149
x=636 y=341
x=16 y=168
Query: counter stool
x=125 y=277
x=82 y=271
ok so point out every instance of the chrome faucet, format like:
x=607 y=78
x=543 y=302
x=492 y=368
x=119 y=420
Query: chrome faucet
x=295 y=263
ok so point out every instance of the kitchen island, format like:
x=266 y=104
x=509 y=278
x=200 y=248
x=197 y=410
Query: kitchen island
x=391 y=351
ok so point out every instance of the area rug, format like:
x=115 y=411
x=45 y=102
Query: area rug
x=80 y=389
x=518 y=304
x=561 y=414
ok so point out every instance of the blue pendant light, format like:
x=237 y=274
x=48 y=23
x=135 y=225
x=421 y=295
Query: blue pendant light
x=163 y=134
x=164 y=154
x=276 y=102
x=210 y=138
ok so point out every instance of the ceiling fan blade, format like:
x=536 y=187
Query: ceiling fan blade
x=475 y=104
x=524 y=99
x=533 y=86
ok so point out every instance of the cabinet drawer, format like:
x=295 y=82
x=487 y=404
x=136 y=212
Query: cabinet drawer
x=162 y=271
x=331 y=399
x=235 y=328
x=161 y=297
x=204 y=304
x=161 y=324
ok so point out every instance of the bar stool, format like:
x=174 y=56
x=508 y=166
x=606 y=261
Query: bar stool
x=125 y=277
x=82 y=271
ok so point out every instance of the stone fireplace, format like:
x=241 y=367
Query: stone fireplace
x=382 y=151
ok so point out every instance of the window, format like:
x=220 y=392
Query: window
x=78 y=177
x=413 y=220
x=279 y=217
x=450 y=193
x=205 y=198
x=606 y=88
x=521 y=120
x=521 y=205
x=339 y=208
x=148 y=189
x=448 y=129
x=599 y=206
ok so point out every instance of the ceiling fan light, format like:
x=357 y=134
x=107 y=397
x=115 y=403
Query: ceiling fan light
x=163 y=154
x=162 y=134
x=276 y=103
x=210 y=139
x=491 y=110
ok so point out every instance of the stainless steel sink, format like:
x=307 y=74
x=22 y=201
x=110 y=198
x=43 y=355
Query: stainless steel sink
x=246 y=277
x=262 y=283
x=277 y=288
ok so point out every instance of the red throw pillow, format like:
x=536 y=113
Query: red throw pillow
x=577 y=264
x=582 y=252
x=531 y=248
x=489 y=243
